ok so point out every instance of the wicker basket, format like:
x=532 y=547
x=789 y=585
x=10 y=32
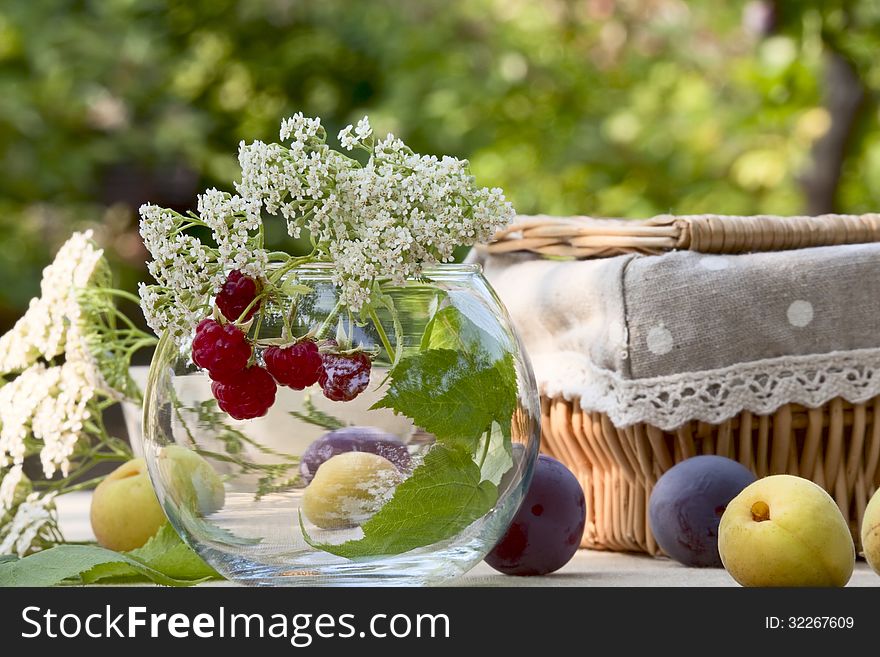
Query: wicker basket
x=836 y=445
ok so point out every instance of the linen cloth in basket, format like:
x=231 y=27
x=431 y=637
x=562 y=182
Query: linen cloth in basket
x=771 y=358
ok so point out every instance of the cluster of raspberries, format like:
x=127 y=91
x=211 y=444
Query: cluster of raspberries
x=245 y=390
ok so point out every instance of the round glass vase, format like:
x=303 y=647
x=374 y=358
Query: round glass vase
x=450 y=421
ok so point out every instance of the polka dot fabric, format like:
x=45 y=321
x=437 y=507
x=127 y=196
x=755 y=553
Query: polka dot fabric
x=715 y=333
x=800 y=313
x=688 y=311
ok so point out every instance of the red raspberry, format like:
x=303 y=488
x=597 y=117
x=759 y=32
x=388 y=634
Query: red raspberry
x=223 y=350
x=247 y=395
x=344 y=377
x=297 y=366
x=236 y=294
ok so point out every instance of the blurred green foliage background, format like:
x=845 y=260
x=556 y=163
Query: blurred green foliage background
x=604 y=107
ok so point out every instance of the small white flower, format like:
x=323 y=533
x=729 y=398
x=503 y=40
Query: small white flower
x=300 y=128
x=51 y=324
x=363 y=130
x=351 y=136
x=19 y=401
x=32 y=517
x=346 y=137
x=59 y=419
x=8 y=487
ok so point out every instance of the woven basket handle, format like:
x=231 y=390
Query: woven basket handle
x=586 y=237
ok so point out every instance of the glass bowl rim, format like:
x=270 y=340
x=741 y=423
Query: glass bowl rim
x=433 y=271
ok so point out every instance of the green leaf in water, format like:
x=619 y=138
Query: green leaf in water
x=443 y=496
x=450 y=329
x=311 y=414
x=461 y=386
x=496 y=456
x=448 y=394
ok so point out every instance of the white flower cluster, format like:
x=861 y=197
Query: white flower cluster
x=188 y=272
x=384 y=220
x=387 y=219
x=31 y=519
x=292 y=181
x=232 y=220
x=48 y=405
x=51 y=324
x=44 y=406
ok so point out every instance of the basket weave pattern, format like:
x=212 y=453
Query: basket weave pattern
x=586 y=237
x=836 y=445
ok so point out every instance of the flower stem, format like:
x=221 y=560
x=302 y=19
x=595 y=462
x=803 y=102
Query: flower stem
x=83 y=485
x=253 y=359
x=291 y=264
x=148 y=341
x=256 y=300
x=488 y=434
x=328 y=322
x=386 y=343
x=286 y=330
x=122 y=294
x=387 y=301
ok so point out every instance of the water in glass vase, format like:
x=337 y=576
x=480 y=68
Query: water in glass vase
x=402 y=463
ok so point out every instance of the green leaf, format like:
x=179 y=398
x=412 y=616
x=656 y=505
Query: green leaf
x=164 y=560
x=442 y=330
x=443 y=496
x=311 y=414
x=164 y=552
x=496 y=455
x=447 y=393
x=64 y=562
x=212 y=532
x=450 y=329
x=289 y=287
x=461 y=386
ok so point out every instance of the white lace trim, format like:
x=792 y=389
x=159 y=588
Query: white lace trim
x=714 y=396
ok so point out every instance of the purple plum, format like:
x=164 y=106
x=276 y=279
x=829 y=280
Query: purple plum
x=353 y=439
x=686 y=506
x=547 y=529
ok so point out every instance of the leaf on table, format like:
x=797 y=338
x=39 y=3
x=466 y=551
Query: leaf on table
x=442 y=497
x=66 y=562
x=164 y=552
